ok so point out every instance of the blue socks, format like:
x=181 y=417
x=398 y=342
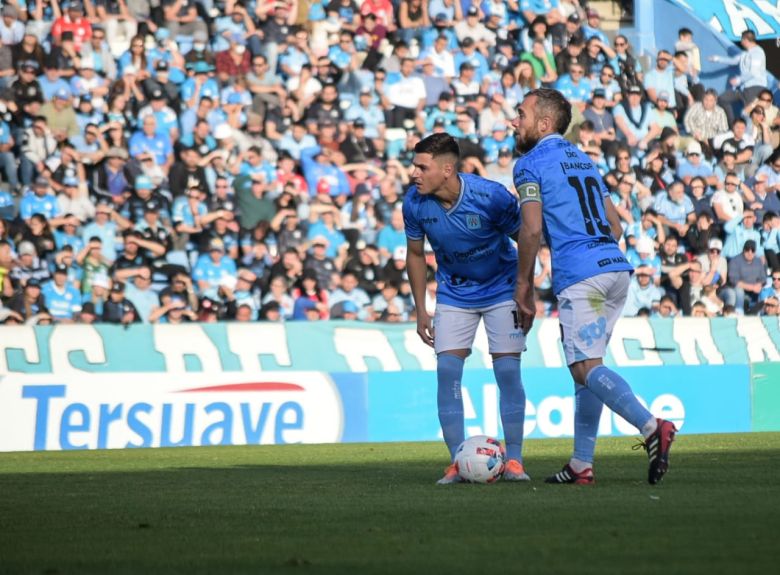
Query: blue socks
x=616 y=394
x=449 y=371
x=587 y=415
x=511 y=403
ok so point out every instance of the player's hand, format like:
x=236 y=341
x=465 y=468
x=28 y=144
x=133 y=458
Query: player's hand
x=526 y=309
x=425 y=328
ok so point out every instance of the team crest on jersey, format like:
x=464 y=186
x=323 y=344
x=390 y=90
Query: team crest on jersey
x=473 y=222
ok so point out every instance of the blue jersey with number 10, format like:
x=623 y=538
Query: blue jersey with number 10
x=477 y=262
x=572 y=192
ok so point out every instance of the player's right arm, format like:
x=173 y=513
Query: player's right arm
x=614 y=219
x=528 y=237
x=415 y=264
x=417 y=270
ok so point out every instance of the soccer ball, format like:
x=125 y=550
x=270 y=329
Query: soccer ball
x=480 y=459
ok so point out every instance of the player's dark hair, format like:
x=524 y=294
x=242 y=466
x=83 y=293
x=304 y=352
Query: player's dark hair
x=552 y=103
x=684 y=32
x=749 y=35
x=438 y=145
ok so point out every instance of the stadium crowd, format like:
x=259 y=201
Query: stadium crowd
x=168 y=161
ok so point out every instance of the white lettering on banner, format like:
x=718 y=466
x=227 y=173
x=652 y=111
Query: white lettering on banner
x=177 y=341
x=249 y=341
x=769 y=9
x=692 y=334
x=760 y=346
x=68 y=338
x=560 y=424
x=715 y=24
x=549 y=335
x=668 y=406
x=357 y=344
x=21 y=337
x=554 y=415
x=118 y=410
x=739 y=15
x=424 y=355
x=637 y=329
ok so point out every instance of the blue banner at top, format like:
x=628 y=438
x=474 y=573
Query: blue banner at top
x=732 y=17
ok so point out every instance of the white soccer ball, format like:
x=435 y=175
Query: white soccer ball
x=480 y=459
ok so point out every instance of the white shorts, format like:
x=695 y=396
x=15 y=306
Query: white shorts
x=454 y=328
x=587 y=312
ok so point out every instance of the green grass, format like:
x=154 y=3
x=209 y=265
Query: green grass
x=375 y=509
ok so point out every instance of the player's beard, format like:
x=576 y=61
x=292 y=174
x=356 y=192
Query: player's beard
x=526 y=143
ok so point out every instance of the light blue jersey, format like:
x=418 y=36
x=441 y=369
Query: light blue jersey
x=477 y=261
x=567 y=183
x=63 y=302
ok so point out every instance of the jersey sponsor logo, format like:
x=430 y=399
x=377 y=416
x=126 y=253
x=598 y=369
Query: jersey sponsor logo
x=608 y=261
x=529 y=191
x=473 y=222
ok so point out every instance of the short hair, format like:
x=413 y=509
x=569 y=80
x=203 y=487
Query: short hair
x=554 y=104
x=748 y=35
x=436 y=145
x=684 y=32
x=711 y=92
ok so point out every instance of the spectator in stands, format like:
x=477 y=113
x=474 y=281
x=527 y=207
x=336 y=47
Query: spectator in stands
x=728 y=203
x=759 y=198
x=694 y=165
x=675 y=209
x=141 y=294
x=714 y=266
x=772 y=290
x=642 y=293
x=739 y=142
x=542 y=62
x=752 y=78
x=706 y=119
x=574 y=86
x=759 y=130
x=633 y=120
x=629 y=69
x=746 y=279
x=661 y=79
x=740 y=229
x=770 y=307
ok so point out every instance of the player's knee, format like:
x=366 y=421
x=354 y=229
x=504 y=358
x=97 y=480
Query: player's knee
x=461 y=353
x=580 y=369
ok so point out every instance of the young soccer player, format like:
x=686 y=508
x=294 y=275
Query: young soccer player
x=468 y=221
x=562 y=193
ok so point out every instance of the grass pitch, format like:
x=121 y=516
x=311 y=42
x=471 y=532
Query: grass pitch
x=375 y=509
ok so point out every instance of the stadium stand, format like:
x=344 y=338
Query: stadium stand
x=206 y=160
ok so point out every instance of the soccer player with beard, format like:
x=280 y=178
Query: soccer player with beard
x=563 y=196
x=468 y=221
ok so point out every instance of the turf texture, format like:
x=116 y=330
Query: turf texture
x=375 y=508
